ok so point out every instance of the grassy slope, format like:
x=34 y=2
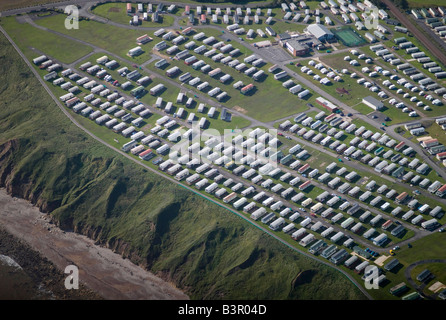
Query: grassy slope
x=203 y=249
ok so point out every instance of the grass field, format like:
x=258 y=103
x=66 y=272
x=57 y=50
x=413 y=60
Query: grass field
x=201 y=248
x=355 y=91
x=114 y=39
x=258 y=104
x=117 y=12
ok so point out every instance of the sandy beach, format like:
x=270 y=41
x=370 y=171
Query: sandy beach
x=100 y=269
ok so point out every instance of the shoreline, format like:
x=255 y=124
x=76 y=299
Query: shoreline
x=100 y=269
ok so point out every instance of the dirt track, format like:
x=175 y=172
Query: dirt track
x=432 y=47
x=103 y=271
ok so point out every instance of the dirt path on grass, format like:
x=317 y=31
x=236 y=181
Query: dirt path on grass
x=101 y=270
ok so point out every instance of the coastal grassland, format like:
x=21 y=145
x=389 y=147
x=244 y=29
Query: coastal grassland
x=203 y=249
x=170 y=94
x=117 y=12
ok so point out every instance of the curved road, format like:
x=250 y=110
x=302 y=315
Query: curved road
x=421 y=287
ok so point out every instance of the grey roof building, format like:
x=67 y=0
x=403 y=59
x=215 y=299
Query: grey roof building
x=320 y=31
x=373 y=103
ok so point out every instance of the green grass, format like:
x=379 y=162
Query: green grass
x=198 y=246
x=37 y=41
x=418 y=251
x=117 y=12
x=362 y=108
x=114 y=39
x=355 y=91
x=435 y=131
x=349 y=36
x=437 y=269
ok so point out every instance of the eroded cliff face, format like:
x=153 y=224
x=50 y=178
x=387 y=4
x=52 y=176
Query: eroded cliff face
x=19 y=183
